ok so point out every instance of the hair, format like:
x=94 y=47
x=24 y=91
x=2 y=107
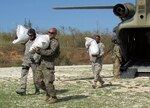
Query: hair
x=97 y=35
x=31 y=31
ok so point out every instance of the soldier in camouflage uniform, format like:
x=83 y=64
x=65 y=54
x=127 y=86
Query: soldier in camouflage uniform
x=116 y=58
x=97 y=62
x=46 y=67
x=27 y=63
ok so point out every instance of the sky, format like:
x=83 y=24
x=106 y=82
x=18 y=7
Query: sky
x=42 y=15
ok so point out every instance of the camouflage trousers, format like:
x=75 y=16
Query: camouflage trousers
x=24 y=75
x=96 y=68
x=48 y=77
x=116 y=68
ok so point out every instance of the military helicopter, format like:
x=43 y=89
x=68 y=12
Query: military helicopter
x=133 y=35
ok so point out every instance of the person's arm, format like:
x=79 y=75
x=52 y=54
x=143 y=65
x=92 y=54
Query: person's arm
x=37 y=57
x=102 y=50
x=49 y=52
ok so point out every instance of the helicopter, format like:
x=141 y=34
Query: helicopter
x=133 y=35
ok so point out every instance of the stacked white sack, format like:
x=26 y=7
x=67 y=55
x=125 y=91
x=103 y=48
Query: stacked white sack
x=22 y=35
x=93 y=46
x=42 y=41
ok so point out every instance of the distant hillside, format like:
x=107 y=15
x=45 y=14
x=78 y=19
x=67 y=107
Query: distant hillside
x=73 y=51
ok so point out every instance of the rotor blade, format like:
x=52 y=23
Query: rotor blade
x=84 y=7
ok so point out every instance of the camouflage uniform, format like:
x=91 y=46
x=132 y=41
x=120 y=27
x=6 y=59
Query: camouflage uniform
x=116 y=58
x=97 y=65
x=46 y=67
x=27 y=63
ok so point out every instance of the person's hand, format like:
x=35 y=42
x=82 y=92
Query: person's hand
x=88 y=45
x=36 y=49
x=94 y=55
x=32 y=60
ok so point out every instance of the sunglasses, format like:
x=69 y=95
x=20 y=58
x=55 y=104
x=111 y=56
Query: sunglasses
x=52 y=32
x=30 y=35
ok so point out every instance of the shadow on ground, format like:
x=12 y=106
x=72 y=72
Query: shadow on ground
x=75 y=97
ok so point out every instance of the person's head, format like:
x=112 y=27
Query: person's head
x=115 y=29
x=97 y=38
x=32 y=34
x=52 y=32
x=114 y=40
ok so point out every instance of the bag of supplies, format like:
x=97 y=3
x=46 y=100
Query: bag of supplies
x=21 y=35
x=92 y=46
x=41 y=41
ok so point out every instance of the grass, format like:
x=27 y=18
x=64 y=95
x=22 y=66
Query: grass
x=75 y=93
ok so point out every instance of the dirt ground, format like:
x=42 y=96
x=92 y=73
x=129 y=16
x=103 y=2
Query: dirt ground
x=70 y=74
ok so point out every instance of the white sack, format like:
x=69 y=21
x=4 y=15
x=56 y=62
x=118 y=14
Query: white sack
x=93 y=48
x=22 y=35
x=41 y=41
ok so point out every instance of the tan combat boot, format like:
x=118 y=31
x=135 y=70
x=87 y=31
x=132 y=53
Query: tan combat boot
x=101 y=84
x=37 y=92
x=94 y=85
x=21 y=91
x=52 y=100
x=46 y=98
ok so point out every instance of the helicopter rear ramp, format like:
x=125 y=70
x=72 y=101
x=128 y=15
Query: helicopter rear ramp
x=138 y=69
x=135 y=49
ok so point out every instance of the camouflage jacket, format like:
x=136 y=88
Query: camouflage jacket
x=27 y=55
x=48 y=55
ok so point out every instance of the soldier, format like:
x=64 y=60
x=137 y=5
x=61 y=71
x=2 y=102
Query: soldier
x=27 y=63
x=116 y=58
x=97 y=62
x=46 y=67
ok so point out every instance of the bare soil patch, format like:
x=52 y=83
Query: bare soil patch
x=83 y=73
